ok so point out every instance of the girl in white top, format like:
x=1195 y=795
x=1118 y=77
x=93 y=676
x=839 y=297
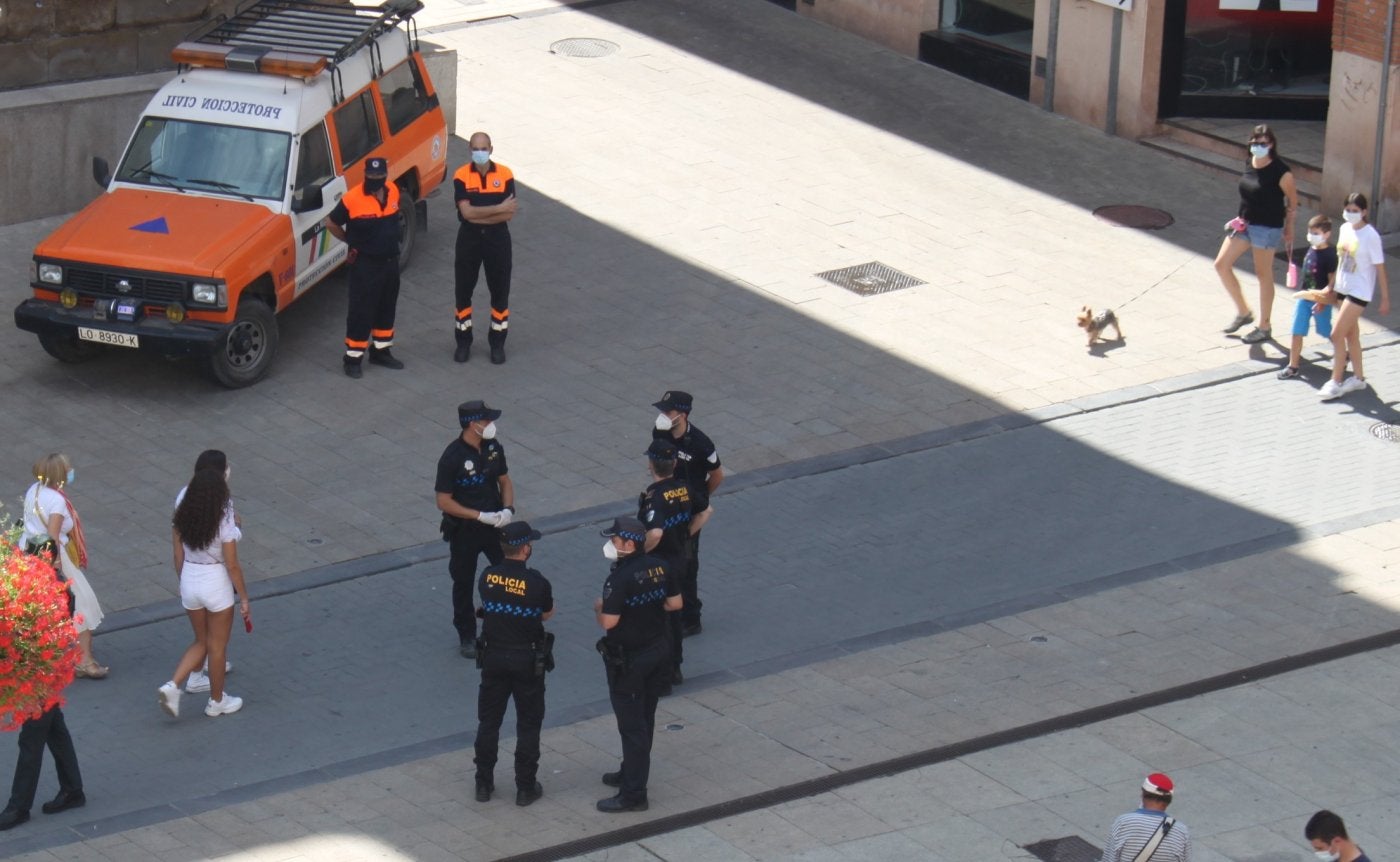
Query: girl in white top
x=50 y=517
x=1360 y=272
x=216 y=460
x=205 y=543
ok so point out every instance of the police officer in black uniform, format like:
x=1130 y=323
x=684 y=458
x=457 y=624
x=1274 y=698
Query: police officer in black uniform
x=664 y=509
x=698 y=464
x=368 y=220
x=476 y=497
x=514 y=652
x=636 y=649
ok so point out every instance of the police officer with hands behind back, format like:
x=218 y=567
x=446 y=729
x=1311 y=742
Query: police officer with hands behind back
x=664 y=508
x=476 y=497
x=636 y=650
x=368 y=220
x=698 y=464
x=514 y=652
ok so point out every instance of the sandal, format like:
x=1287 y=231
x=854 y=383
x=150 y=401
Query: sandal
x=1288 y=373
x=1240 y=320
x=1257 y=335
x=91 y=671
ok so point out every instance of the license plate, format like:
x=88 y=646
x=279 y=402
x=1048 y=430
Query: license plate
x=103 y=336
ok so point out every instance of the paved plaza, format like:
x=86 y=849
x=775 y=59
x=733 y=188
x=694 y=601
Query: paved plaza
x=945 y=518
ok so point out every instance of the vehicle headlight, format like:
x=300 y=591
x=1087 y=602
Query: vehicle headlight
x=209 y=294
x=50 y=273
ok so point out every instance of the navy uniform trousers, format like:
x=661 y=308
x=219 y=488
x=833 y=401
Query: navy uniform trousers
x=634 y=695
x=509 y=673
x=48 y=729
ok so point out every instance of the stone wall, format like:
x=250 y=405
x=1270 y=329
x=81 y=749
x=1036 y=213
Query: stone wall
x=56 y=41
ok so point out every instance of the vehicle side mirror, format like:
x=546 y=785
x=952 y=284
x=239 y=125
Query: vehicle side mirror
x=306 y=199
x=101 y=171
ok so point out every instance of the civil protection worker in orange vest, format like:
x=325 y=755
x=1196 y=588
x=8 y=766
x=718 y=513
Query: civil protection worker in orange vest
x=485 y=195
x=368 y=220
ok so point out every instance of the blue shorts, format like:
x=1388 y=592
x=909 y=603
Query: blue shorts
x=1264 y=237
x=1302 y=314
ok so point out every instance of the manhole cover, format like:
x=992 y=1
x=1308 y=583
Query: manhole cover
x=1132 y=215
x=1071 y=849
x=1387 y=432
x=584 y=47
x=869 y=279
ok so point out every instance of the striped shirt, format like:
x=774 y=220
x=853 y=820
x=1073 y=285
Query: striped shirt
x=1131 y=832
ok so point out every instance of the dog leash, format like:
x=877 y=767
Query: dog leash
x=1155 y=283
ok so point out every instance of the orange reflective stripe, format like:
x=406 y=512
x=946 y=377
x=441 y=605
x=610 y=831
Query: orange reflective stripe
x=381 y=334
x=356 y=345
x=500 y=315
x=464 y=313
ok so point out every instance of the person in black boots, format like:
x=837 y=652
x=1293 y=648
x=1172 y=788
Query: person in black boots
x=636 y=650
x=484 y=191
x=514 y=653
x=368 y=220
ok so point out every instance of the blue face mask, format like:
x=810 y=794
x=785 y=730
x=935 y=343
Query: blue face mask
x=481 y=157
x=1259 y=151
x=68 y=480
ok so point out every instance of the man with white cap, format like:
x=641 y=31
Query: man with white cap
x=1149 y=834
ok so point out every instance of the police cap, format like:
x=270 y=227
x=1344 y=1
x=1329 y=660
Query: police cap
x=377 y=166
x=674 y=400
x=518 y=533
x=661 y=450
x=627 y=528
x=471 y=411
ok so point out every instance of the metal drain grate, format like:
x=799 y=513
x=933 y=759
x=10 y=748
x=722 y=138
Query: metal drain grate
x=869 y=279
x=1071 y=849
x=1385 y=431
x=584 y=47
x=1132 y=215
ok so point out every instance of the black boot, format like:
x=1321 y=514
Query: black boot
x=619 y=803
x=498 y=348
x=525 y=795
x=385 y=358
x=464 y=347
x=353 y=369
x=484 y=787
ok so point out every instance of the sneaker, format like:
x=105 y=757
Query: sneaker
x=1239 y=321
x=1352 y=384
x=1257 y=335
x=228 y=705
x=1331 y=389
x=199 y=680
x=1288 y=373
x=168 y=696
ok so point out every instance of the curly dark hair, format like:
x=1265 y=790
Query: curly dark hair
x=198 y=516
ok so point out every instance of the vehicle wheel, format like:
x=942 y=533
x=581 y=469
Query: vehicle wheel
x=66 y=347
x=245 y=352
x=408 y=233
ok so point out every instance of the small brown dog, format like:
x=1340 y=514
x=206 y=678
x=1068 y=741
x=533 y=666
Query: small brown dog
x=1095 y=324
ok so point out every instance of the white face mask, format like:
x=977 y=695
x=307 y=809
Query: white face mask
x=489 y=432
x=1259 y=151
x=1316 y=239
x=1327 y=855
x=663 y=422
x=610 y=551
x=1351 y=217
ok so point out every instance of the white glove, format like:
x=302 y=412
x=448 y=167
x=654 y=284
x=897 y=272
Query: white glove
x=505 y=515
x=492 y=519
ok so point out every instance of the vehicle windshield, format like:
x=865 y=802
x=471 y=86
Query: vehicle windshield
x=207 y=157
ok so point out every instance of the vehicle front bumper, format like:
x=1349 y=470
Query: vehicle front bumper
x=189 y=337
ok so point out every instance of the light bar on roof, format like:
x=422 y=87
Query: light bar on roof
x=243 y=58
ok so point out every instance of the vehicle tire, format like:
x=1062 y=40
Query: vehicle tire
x=244 y=353
x=65 y=347
x=408 y=234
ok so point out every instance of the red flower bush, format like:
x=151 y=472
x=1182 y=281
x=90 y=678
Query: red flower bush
x=38 y=644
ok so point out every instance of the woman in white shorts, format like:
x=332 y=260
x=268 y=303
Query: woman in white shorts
x=1360 y=275
x=216 y=460
x=205 y=541
x=52 y=528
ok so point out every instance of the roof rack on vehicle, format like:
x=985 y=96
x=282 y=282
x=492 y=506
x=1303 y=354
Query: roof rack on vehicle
x=332 y=31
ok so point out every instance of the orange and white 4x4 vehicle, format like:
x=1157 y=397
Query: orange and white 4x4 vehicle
x=212 y=222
